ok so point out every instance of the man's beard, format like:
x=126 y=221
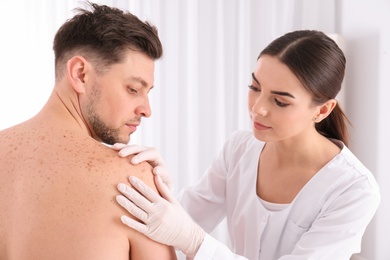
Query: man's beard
x=103 y=132
x=100 y=130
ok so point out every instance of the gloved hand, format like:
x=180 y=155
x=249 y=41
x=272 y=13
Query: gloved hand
x=164 y=220
x=149 y=154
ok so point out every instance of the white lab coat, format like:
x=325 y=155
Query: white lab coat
x=326 y=220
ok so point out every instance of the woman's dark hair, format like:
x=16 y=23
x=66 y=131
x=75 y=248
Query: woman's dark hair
x=319 y=64
x=103 y=34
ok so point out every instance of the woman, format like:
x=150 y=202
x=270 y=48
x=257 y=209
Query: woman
x=290 y=188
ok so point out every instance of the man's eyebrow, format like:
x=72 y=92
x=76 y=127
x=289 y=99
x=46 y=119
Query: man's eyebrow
x=280 y=93
x=139 y=80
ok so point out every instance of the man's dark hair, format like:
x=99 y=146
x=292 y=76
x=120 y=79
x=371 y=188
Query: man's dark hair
x=103 y=34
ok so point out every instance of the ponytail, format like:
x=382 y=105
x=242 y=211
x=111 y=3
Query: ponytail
x=334 y=125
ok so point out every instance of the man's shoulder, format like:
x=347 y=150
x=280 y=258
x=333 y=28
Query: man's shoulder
x=100 y=166
x=106 y=161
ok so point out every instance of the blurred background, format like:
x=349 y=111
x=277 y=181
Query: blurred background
x=210 y=51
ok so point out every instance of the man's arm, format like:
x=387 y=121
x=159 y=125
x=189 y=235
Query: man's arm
x=114 y=169
x=142 y=247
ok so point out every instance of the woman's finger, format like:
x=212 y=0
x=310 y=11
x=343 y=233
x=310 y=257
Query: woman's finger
x=146 y=191
x=134 y=224
x=150 y=155
x=131 y=149
x=163 y=189
x=132 y=208
x=118 y=146
x=136 y=198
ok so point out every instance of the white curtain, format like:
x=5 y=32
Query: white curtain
x=199 y=99
x=211 y=49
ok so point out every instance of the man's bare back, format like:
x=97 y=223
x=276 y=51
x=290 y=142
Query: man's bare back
x=57 y=180
x=57 y=195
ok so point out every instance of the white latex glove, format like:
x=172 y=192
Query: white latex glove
x=164 y=220
x=149 y=154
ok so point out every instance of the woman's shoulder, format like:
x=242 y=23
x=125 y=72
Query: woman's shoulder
x=242 y=144
x=241 y=136
x=348 y=162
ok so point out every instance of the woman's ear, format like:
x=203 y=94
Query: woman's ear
x=77 y=68
x=325 y=110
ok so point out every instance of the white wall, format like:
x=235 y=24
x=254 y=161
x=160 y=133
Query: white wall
x=27 y=62
x=366 y=27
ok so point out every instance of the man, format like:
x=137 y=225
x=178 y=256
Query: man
x=52 y=164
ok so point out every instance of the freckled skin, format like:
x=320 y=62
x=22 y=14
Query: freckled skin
x=58 y=184
x=46 y=195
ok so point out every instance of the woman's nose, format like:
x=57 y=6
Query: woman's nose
x=260 y=108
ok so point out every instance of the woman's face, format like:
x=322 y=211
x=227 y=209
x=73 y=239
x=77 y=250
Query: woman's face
x=280 y=107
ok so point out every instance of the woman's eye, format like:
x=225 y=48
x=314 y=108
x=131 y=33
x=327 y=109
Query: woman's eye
x=281 y=104
x=251 y=87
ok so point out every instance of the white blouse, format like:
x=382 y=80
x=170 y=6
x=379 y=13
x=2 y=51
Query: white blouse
x=326 y=220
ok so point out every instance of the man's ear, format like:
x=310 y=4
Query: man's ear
x=77 y=68
x=325 y=110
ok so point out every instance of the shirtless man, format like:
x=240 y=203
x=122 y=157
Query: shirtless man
x=51 y=164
